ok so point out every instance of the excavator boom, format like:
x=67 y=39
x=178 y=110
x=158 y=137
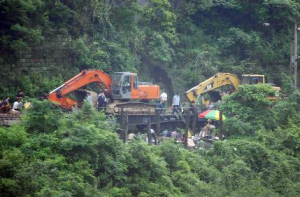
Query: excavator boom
x=58 y=95
x=216 y=81
x=222 y=79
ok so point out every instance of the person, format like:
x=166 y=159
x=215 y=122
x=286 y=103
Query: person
x=5 y=106
x=190 y=143
x=163 y=98
x=174 y=134
x=20 y=105
x=164 y=133
x=131 y=136
x=182 y=139
x=202 y=133
x=89 y=98
x=27 y=105
x=210 y=105
x=43 y=96
x=192 y=107
x=176 y=102
x=153 y=138
x=209 y=128
x=101 y=101
x=168 y=134
x=160 y=106
x=20 y=95
x=6 y=100
x=1 y=106
x=16 y=106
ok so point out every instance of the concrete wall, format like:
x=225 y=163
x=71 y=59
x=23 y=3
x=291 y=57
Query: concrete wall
x=51 y=53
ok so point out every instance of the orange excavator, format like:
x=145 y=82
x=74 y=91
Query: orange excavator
x=122 y=87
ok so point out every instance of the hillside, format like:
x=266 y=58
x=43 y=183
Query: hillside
x=175 y=44
x=190 y=40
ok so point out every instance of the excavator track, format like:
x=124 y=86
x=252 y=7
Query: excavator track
x=137 y=108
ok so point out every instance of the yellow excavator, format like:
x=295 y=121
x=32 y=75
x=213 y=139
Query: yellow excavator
x=228 y=80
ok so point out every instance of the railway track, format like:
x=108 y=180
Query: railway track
x=9 y=119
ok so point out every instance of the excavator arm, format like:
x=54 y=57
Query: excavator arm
x=216 y=81
x=58 y=95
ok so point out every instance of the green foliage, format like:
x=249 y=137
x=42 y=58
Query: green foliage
x=33 y=85
x=251 y=109
x=288 y=108
x=160 y=18
x=17 y=32
x=79 y=153
x=42 y=117
x=103 y=55
x=160 y=50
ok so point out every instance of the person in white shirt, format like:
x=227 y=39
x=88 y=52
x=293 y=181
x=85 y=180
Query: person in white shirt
x=163 y=98
x=89 y=98
x=16 y=106
x=176 y=102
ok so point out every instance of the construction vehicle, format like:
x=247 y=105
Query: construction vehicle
x=226 y=79
x=120 y=88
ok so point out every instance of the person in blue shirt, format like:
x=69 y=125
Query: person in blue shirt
x=101 y=101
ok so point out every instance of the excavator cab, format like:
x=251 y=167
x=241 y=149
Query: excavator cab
x=125 y=86
x=260 y=79
x=121 y=85
x=253 y=79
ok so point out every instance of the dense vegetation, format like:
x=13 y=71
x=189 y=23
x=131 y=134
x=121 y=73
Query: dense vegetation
x=79 y=154
x=191 y=40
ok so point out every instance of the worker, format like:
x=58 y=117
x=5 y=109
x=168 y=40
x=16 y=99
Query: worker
x=19 y=95
x=209 y=128
x=163 y=98
x=176 y=103
x=164 y=133
x=210 y=105
x=89 y=98
x=131 y=137
x=160 y=106
x=16 y=106
x=174 y=135
x=5 y=106
x=153 y=136
x=101 y=101
x=191 y=108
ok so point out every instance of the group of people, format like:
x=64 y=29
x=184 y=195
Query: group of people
x=171 y=134
x=178 y=137
x=153 y=138
x=207 y=130
x=101 y=100
x=163 y=98
x=6 y=107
